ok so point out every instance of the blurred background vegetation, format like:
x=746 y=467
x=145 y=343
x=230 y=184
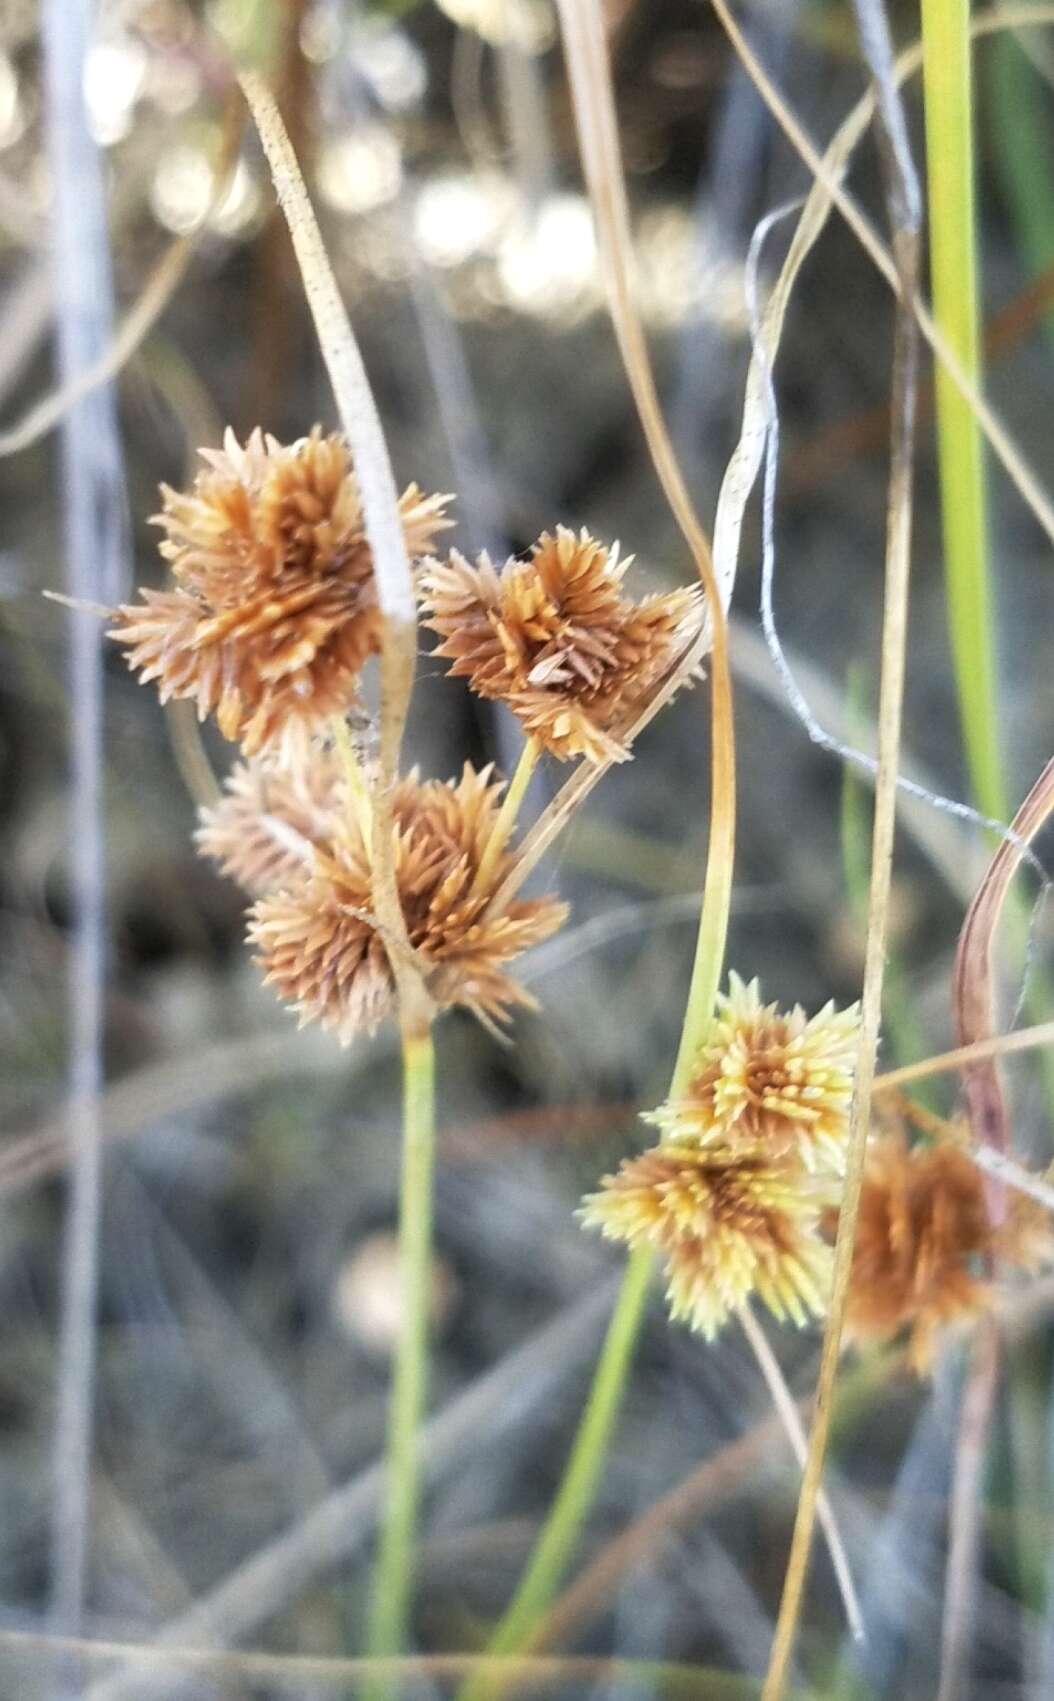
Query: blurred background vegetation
x=246 y=1309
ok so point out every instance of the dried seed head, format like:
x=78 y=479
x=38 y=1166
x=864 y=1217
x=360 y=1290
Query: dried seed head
x=265 y=828
x=318 y=938
x=726 y=1224
x=555 y=638
x=275 y=610
x=922 y=1229
x=771 y=1080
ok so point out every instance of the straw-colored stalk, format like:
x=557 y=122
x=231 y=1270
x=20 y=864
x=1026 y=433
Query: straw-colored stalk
x=395 y=593
x=586 y=51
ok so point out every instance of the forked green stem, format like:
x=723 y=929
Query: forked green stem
x=505 y=824
x=948 y=87
x=393 y=1581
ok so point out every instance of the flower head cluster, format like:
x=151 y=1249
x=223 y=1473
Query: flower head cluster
x=556 y=639
x=925 y=1243
x=294 y=840
x=275 y=608
x=769 y=1079
x=733 y=1196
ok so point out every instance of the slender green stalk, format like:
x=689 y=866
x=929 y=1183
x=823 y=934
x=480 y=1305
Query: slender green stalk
x=947 y=82
x=386 y=1631
x=575 y=1496
x=585 y=45
x=510 y=808
x=556 y=1545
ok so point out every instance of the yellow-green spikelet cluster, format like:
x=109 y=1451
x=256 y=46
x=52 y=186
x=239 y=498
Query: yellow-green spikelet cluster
x=749 y=1158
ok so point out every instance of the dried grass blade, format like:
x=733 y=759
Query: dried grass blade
x=1017 y=468
x=43 y=416
x=973 y=994
x=338 y=1526
x=585 y=48
x=903 y=202
x=1001 y=1045
x=964 y=1513
x=395 y=591
x=790 y=1418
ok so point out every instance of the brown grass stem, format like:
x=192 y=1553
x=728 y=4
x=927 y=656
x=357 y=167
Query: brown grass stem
x=533 y=1673
x=395 y=592
x=965 y=1513
x=358 y=786
x=903 y=201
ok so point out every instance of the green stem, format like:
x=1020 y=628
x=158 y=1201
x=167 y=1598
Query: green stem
x=578 y=1487
x=510 y=808
x=953 y=266
x=559 y=1538
x=1021 y=136
x=386 y=1631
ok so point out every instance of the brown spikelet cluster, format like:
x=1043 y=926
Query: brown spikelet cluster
x=733 y=1197
x=275 y=609
x=925 y=1244
x=272 y=818
x=775 y=1081
x=555 y=638
x=315 y=929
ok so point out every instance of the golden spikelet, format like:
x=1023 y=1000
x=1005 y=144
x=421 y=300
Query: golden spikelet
x=774 y=1081
x=726 y=1225
x=271 y=818
x=317 y=936
x=275 y=610
x=555 y=638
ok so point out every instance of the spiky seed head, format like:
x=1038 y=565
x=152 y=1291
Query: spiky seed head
x=556 y=639
x=275 y=609
x=777 y=1081
x=264 y=830
x=318 y=940
x=727 y=1225
x=922 y=1229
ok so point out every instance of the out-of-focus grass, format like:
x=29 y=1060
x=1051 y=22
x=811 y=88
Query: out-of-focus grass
x=954 y=281
x=1022 y=134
